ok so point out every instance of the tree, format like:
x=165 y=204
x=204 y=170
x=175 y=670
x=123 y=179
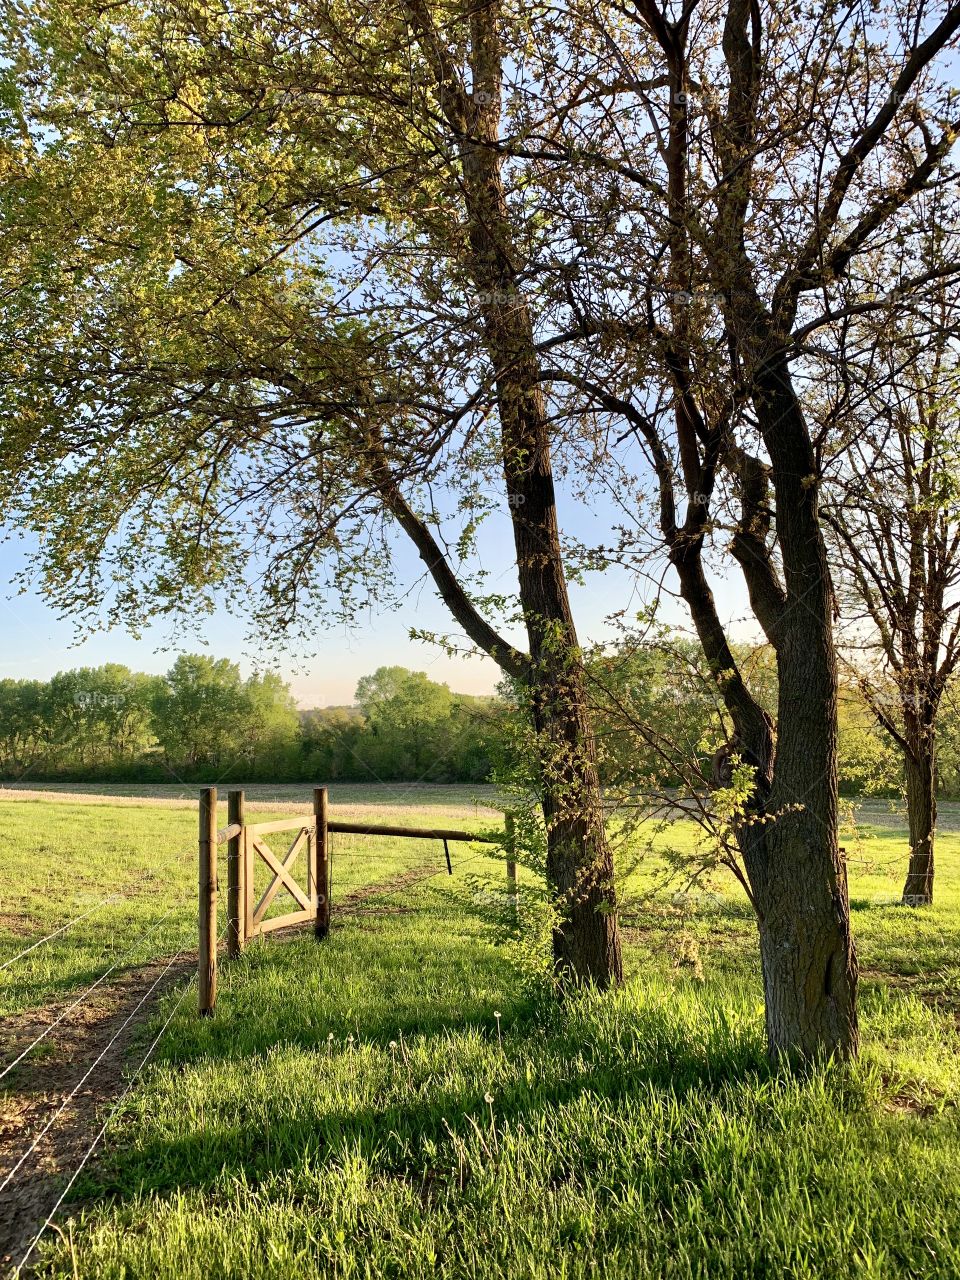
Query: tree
x=721 y=244
x=403 y=728
x=201 y=713
x=410 y=716
x=215 y=424
x=24 y=739
x=325 y=270
x=896 y=532
x=333 y=742
x=98 y=717
x=269 y=725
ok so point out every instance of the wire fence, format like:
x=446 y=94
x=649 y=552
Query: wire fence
x=112 y=897
x=112 y=1040
x=142 y=952
x=90 y=1070
x=414 y=875
x=116 y=896
x=98 y=1137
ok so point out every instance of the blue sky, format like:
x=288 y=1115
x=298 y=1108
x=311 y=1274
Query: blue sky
x=36 y=643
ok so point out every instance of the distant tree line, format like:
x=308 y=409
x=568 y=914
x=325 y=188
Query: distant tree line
x=654 y=707
x=112 y=724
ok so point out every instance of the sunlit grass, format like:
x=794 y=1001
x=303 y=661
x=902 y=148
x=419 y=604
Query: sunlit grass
x=353 y=1109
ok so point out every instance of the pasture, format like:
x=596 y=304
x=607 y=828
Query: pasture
x=402 y=1100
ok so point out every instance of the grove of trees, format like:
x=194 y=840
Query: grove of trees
x=112 y=724
x=203 y=720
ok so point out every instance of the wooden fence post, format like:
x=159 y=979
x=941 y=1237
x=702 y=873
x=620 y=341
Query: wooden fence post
x=236 y=878
x=511 y=846
x=208 y=901
x=321 y=853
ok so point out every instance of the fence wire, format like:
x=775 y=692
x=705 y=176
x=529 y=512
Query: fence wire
x=102 y=1131
x=112 y=897
x=89 y=1071
x=98 y=1137
x=116 y=896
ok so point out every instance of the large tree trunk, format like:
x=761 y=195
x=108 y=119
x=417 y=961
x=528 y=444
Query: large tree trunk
x=800 y=885
x=586 y=937
x=920 y=771
x=799 y=880
x=579 y=861
x=790 y=843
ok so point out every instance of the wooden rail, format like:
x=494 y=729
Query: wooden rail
x=419 y=833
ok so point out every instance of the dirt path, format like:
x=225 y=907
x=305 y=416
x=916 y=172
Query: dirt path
x=107 y=1022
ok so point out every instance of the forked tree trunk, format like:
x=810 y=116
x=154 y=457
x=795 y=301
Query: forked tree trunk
x=790 y=843
x=920 y=772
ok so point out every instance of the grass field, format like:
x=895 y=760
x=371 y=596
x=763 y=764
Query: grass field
x=396 y=1102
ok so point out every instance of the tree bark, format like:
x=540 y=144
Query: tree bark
x=920 y=774
x=586 y=939
x=797 y=874
x=789 y=842
x=800 y=883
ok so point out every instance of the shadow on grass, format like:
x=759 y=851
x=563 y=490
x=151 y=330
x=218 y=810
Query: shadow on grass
x=431 y=983
x=397 y=1137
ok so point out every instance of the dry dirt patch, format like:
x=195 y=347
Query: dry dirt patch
x=106 y=1023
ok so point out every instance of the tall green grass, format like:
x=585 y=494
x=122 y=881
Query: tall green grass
x=357 y=1108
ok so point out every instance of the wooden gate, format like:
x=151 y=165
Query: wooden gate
x=255 y=921
x=246 y=842
x=310 y=894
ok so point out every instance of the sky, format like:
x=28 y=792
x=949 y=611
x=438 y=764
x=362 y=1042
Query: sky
x=35 y=643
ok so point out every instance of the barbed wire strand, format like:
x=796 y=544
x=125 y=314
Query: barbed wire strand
x=93 y=986
x=89 y=1071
